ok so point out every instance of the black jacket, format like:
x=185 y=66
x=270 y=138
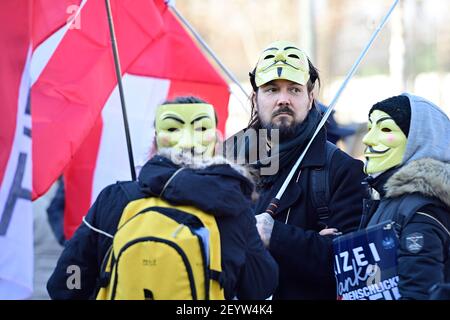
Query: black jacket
x=424 y=246
x=250 y=271
x=304 y=257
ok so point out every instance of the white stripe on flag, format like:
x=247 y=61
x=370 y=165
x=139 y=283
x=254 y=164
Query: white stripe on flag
x=142 y=95
x=45 y=50
x=16 y=215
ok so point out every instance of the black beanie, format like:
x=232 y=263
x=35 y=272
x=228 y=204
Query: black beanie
x=398 y=108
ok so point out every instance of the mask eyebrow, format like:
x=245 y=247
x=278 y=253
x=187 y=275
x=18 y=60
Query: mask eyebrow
x=200 y=118
x=291 y=48
x=383 y=119
x=268 y=49
x=174 y=118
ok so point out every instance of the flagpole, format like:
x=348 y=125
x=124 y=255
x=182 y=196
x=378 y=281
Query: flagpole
x=272 y=208
x=121 y=93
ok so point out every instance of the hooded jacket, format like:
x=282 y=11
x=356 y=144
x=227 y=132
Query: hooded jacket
x=215 y=187
x=422 y=178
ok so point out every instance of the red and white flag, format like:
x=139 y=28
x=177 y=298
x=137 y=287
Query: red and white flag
x=76 y=107
x=62 y=51
x=25 y=26
x=16 y=218
x=169 y=66
x=74 y=75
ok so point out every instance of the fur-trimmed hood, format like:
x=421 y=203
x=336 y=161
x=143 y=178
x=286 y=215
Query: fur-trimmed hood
x=213 y=185
x=426 y=176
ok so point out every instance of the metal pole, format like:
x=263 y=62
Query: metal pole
x=119 y=82
x=274 y=203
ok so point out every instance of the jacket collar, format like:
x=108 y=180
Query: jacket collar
x=378 y=183
x=316 y=155
x=426 y=176
x=214 y=186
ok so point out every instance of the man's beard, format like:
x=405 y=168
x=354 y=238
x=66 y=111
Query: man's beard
x=287 y=129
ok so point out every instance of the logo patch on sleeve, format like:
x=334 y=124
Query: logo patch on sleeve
x=414 y=242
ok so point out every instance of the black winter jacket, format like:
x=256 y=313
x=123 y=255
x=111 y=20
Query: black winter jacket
x=250 y=271
x=304 y=257
x=424 y=246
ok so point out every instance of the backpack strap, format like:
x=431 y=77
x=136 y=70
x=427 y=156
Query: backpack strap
x=408 y=208
x=320 y=185
x=105 y=268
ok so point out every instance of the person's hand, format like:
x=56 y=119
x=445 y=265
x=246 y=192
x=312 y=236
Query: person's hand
x=330 y=232
x=264 y=224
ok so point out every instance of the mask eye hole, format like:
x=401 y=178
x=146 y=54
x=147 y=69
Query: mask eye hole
x=270 y=56
x=172 y=129
x=386 y=130
x=294 y=56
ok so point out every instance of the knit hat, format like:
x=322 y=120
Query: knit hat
x=398 y=108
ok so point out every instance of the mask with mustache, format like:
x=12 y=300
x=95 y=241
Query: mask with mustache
x=188 y=129
x=385 y=141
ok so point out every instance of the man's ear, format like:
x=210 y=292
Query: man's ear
x=311 y=99
x=253 y=97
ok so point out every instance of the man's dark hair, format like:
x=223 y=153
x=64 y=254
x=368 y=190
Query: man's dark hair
x=187 y=100
x=310 y=85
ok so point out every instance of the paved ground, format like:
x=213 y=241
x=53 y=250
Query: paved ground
x=47 y=249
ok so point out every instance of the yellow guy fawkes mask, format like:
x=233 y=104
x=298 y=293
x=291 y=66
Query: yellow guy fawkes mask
x=385 y=141
x=188 y=128
x=282 y=60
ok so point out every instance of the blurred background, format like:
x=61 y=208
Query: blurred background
x=412 y=53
